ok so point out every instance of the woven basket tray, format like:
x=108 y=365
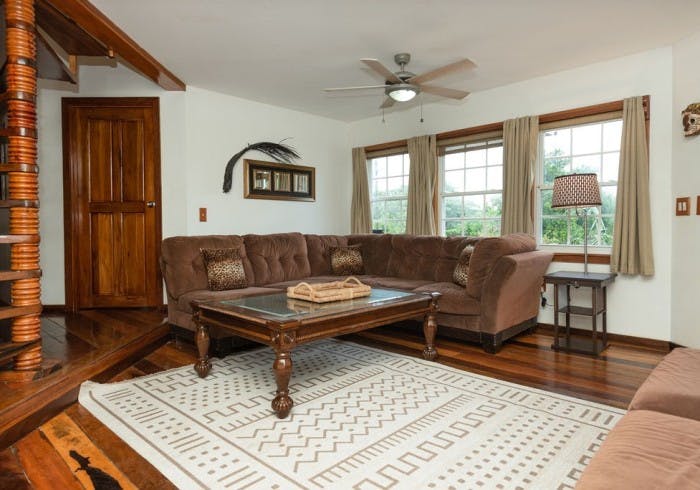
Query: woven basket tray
x=325 y=292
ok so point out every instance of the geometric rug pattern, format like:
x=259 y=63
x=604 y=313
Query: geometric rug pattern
x=362 y=418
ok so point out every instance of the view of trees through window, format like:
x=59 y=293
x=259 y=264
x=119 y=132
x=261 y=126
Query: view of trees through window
x=388 y=178
x=472 y=187
x=588 y=148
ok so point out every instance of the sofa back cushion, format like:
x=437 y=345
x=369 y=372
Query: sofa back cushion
x=425 y=257
x=182 y=263
x=487 y=252
x=319 y=247
x=375 y=250
x=276 y=258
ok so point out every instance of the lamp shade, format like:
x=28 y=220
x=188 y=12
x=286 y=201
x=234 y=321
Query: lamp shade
x=576 y=191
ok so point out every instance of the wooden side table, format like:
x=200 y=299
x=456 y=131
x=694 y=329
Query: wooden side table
x=598 y=282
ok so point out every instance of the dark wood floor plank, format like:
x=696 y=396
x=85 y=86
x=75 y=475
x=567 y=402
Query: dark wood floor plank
x=12 y=475
x=43 y=465
x=135 y=467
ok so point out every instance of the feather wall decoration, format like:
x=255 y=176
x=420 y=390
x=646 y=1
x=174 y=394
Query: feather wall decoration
x=278 y=151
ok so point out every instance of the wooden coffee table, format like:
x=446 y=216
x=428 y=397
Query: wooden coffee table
x=284 y=323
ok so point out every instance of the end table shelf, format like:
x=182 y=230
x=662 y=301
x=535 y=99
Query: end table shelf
x=598 y=282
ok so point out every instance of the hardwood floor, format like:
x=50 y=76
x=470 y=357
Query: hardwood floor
x=43 y=458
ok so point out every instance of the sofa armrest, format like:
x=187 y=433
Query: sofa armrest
x=511 y=293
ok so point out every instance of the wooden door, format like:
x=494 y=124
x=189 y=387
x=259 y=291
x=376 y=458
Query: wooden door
x=111 y=175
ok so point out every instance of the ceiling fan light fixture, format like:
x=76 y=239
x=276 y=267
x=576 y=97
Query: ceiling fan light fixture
x=402 y=92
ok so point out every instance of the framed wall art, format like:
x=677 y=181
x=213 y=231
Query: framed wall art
x=282 y=181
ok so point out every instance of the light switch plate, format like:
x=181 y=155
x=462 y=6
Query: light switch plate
x=683 y=206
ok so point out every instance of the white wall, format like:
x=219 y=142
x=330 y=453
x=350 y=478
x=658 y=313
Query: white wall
x=639 y=307
x=218 y=126
x=200 y=131
x=686 y=182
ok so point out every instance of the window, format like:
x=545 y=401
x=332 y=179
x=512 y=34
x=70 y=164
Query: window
x=388 y=184
x=472 y=188
x=583 y=148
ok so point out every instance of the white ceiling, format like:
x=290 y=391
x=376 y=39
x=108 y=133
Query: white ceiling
x=284 y=52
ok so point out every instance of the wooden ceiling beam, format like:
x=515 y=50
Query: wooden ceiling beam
x=97 y=25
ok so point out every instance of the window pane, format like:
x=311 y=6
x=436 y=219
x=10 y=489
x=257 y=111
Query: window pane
x=473 y=228
x=453 y=207
x=454 y=161
x=611 y=167
x=378 y=188
x=557 y=143
x=454 y=181
x=495 y=178
x=453 y=228
x=395 y=227
x=554 y=167
x=607 y=235
x=554 y=230
x=586 y=164
x=406 y=164
x=395 y=186
x=586 y=139
x=379 y=167
x=476 y=158
x=475 y=180
x=576 y=228
x=494 y=205
x=395 y=165
x=612 y=135
x=608 y=194
x=495 y=155
x=378 y=214
x=473 y=206
x=492 y=227
x=393 y=210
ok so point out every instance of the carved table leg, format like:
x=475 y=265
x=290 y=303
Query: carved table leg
x=282 y=366
x=430 y=329
x=201 y=337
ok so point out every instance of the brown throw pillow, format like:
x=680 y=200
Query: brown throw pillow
x=224 y=268
x=461 y=273
x=346 y=261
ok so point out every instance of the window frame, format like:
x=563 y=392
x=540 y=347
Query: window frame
x=539 y=187
x=402 y=198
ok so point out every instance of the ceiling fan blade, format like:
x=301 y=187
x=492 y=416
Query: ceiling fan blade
x=464 y=64
x=388 y=102
x=381 y=69
x=444 y=91
x=338 y=89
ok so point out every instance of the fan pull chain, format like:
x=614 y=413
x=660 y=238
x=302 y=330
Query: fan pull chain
x=421 y=107
x=383 y=121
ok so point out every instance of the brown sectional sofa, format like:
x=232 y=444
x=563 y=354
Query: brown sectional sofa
x=656 y=445
x=501 y=298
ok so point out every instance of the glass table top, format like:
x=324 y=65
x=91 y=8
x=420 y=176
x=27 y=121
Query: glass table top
x=280 y=305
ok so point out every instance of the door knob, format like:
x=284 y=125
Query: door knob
x=150 y=204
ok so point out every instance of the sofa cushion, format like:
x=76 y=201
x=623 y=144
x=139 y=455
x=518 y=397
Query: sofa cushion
x=277 y=257
x=486 y=253
x=425 y=257
x=224 y=269
x=347 y=261
x=673 y=387
x=460 y=276
x=393 y=282
x=204 y=295
x=376 y=250
x=318 y=247
x=454 y=299
x=647 y=450
x=182 y=263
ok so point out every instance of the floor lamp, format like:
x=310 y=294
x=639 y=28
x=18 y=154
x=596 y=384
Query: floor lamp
x=577 y=191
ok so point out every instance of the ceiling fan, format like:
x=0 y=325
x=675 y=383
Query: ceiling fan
x=402 y=86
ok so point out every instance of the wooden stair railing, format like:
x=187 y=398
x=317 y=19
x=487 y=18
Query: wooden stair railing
x=19 y=188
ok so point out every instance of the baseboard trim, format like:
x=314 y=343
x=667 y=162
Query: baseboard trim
x=53 y=309
x=661 y=345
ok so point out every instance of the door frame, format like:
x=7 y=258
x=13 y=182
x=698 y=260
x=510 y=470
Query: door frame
x=71 y=180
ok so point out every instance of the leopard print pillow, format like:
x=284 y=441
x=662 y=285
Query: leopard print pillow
x=461 y=273
x=346 y=261
x=224 y=268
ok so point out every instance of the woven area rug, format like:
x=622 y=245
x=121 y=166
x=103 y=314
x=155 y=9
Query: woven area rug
x=363 y=418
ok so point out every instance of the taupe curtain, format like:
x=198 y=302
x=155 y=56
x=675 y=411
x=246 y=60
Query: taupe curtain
x=360 y=211
x=420 y=218
x=520 y=138
x=632 y=251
